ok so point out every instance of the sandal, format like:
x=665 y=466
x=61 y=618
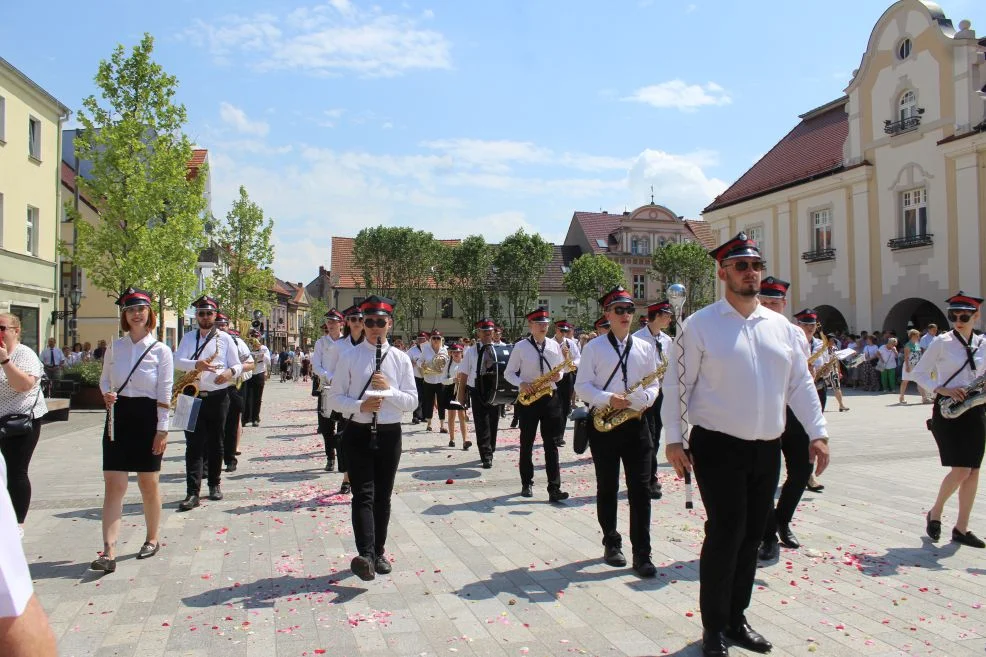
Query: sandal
x=103 y=564
x=148 y=550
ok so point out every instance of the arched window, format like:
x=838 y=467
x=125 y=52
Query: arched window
x=907 y=106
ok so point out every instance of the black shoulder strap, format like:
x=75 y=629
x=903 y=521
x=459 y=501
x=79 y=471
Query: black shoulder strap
x=134 y=368
x=368 y=381
x=968 y=356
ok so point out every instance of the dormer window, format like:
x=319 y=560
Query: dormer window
x=904 y=49
x=908 y=114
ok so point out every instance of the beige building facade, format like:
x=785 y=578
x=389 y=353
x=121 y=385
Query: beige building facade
x=30 y=147
x=874 y=205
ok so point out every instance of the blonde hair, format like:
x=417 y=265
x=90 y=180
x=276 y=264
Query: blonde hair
x=12 y=320
x=913 y=332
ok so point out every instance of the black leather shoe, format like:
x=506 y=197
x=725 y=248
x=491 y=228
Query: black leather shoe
x=103 y=565
x=557 y=495
x=231 y=466
x=466 y=444
x=644 y=567
x=768 y=551
x=713 y=645
x=330 y=465
x=382 y=566
x=656 y=493
x=189 y=503
x=487 y=463
x=148 y=550
x=346 y=488
x=967 y=538
x=746 y=637
x=525 y=490
x=818 y=488
x=932 y=527
x=215 y=493
x=787 y=537
x=362 y=567
x=561 y=442
x=614 y=556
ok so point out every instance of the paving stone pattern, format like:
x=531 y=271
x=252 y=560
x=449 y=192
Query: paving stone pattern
x=478 y=570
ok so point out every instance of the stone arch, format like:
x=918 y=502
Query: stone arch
x=831 y=319
x=914 y=312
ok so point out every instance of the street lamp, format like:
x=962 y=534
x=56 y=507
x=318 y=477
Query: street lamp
x=75 y=299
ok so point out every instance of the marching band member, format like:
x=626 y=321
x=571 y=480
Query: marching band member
x=834 y=377
x=332 y=324
x=486 y=417
x=498 y=342
x=742 y=364
x=431 y=386
x=952 y=361
x=531 y=358
x=414 y=353
x=566 y=387
x=807 y=320
x=794 y=440
x=455 y=412
x=254 y=386
x=204 y=446
x=372 y=436
x=611 y=364
x=601 y=326
x=136 y=384
x=658 y=318
x=353 y=336
x=231 y=434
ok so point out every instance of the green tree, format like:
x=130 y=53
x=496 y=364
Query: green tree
x=689 y=264
x=589 y=278
x=312 y=327
x=401 y=263
x=464 y=271
x=243 y=279
x=150 y=227
x=519 y=263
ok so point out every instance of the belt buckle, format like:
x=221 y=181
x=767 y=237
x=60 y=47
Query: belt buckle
x=203 y=395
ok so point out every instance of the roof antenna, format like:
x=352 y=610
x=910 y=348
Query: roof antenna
x=652 y=194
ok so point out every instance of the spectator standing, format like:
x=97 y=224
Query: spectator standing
x=869 y=376
x=929 y=334
x=888 y=365
x=912 y=354
x=296 y=356
x=52 y=358
x=100 y=350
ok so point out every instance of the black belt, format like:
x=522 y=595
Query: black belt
x=389 y=425
x=211 y=393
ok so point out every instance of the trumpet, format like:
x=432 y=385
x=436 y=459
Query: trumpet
x=436 y=366
x=541 y=386
x=607 y=418
x=189 y=380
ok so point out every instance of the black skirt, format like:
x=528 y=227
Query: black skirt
x=446 y=395
x=134 y=423
x=962 y=440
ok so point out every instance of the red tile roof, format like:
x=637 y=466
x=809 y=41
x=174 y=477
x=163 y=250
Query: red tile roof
x=68 y=179
x=199 y=156
x=597 y=226
x=553 y=279
x=702 y=232
x=342 y=261
x=811 y=150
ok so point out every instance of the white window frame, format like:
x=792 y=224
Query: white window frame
x=820 y=220
x=34 y=125
x=642 y=282
x=914 y=200
x=32 y=224
x=755 y=233
x=907 y=105
x=546 y=303
x=904 y=48
x=3 y=120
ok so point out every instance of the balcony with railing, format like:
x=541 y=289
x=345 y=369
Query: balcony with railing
x=818 y=255
x=904 y=125
x=911 y=241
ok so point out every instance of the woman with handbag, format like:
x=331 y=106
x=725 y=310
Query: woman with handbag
x=21 y=408
x=136 y=384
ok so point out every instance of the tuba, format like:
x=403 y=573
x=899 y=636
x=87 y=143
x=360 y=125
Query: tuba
x=541 y=386
x=189 y=380
x=437 y=364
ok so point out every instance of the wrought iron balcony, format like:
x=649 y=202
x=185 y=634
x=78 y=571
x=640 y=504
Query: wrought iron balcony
x=911 y=241
x=818 y=255
x=904 y=125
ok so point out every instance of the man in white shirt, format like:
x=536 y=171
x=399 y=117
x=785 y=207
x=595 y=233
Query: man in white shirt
x=52 y=358
x=231 y=434
x=373 y=385
x=611 y=365
x=215 y=356
x=566 y=387
x=254 y=387
x=658 y=319
x=530 y=359
x=414 y=353
x=929 y=335
x=740 y=366
x=474 y=375
x=431 y=385
x=332 y=325
x=353 y=336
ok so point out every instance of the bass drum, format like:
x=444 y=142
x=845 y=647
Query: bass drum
x=494 y=387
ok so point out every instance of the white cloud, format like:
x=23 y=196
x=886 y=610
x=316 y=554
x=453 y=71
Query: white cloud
x=327 y=39
x=679 y=181
x=236 y=118
x=691 y=8
x=677 y=94
x=503 y=155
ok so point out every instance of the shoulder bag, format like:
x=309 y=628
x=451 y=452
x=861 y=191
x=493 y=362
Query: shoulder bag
x=18 y=425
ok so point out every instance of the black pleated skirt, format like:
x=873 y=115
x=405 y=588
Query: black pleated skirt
x=962 y=440
x=134 y=424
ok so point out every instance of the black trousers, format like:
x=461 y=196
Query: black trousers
x=204 y=446
x=794 y=446
x=17 y=452
x=486 y=420
x=232 y=424
x=372 y=473
x=630 y=444
x=654 y=425
x=565 y=391
x=253 y=397
x=419 y=385
x=545 y=412
x=823 y=396
x=736 y=479
x=331 y=429
x=430 y=392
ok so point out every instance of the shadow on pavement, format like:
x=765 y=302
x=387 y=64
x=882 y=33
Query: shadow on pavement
x=312 y=503
x=888 y=564
x=266 y=592
x=289 y=457
x=508 y=500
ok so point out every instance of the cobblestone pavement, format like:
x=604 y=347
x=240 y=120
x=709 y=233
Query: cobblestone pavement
x=478 y=570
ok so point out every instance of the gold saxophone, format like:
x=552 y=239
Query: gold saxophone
x=189 y=380
x=541 y=386
x=826 y=369
x=607 y=418
x=818 y=352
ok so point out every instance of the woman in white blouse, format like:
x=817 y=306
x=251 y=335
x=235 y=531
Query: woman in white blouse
x=136 y=384
x=956 y=358
x=447 y=396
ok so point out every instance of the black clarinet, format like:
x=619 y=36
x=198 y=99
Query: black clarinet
x=373 y=424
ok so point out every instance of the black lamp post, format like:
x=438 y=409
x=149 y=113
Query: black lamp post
x=75 y=299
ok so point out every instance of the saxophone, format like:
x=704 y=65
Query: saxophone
x=189 y=380
x=975 y=395
x=607 y=418
x=541 y=386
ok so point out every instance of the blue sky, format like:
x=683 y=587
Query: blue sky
x=466 y=116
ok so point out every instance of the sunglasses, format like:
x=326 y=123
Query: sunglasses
x=205 y=313
x=744 y=265
x=3 y=329
x=959 y=317
x=354 y=319
x=375 y=323
x=625 y=310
